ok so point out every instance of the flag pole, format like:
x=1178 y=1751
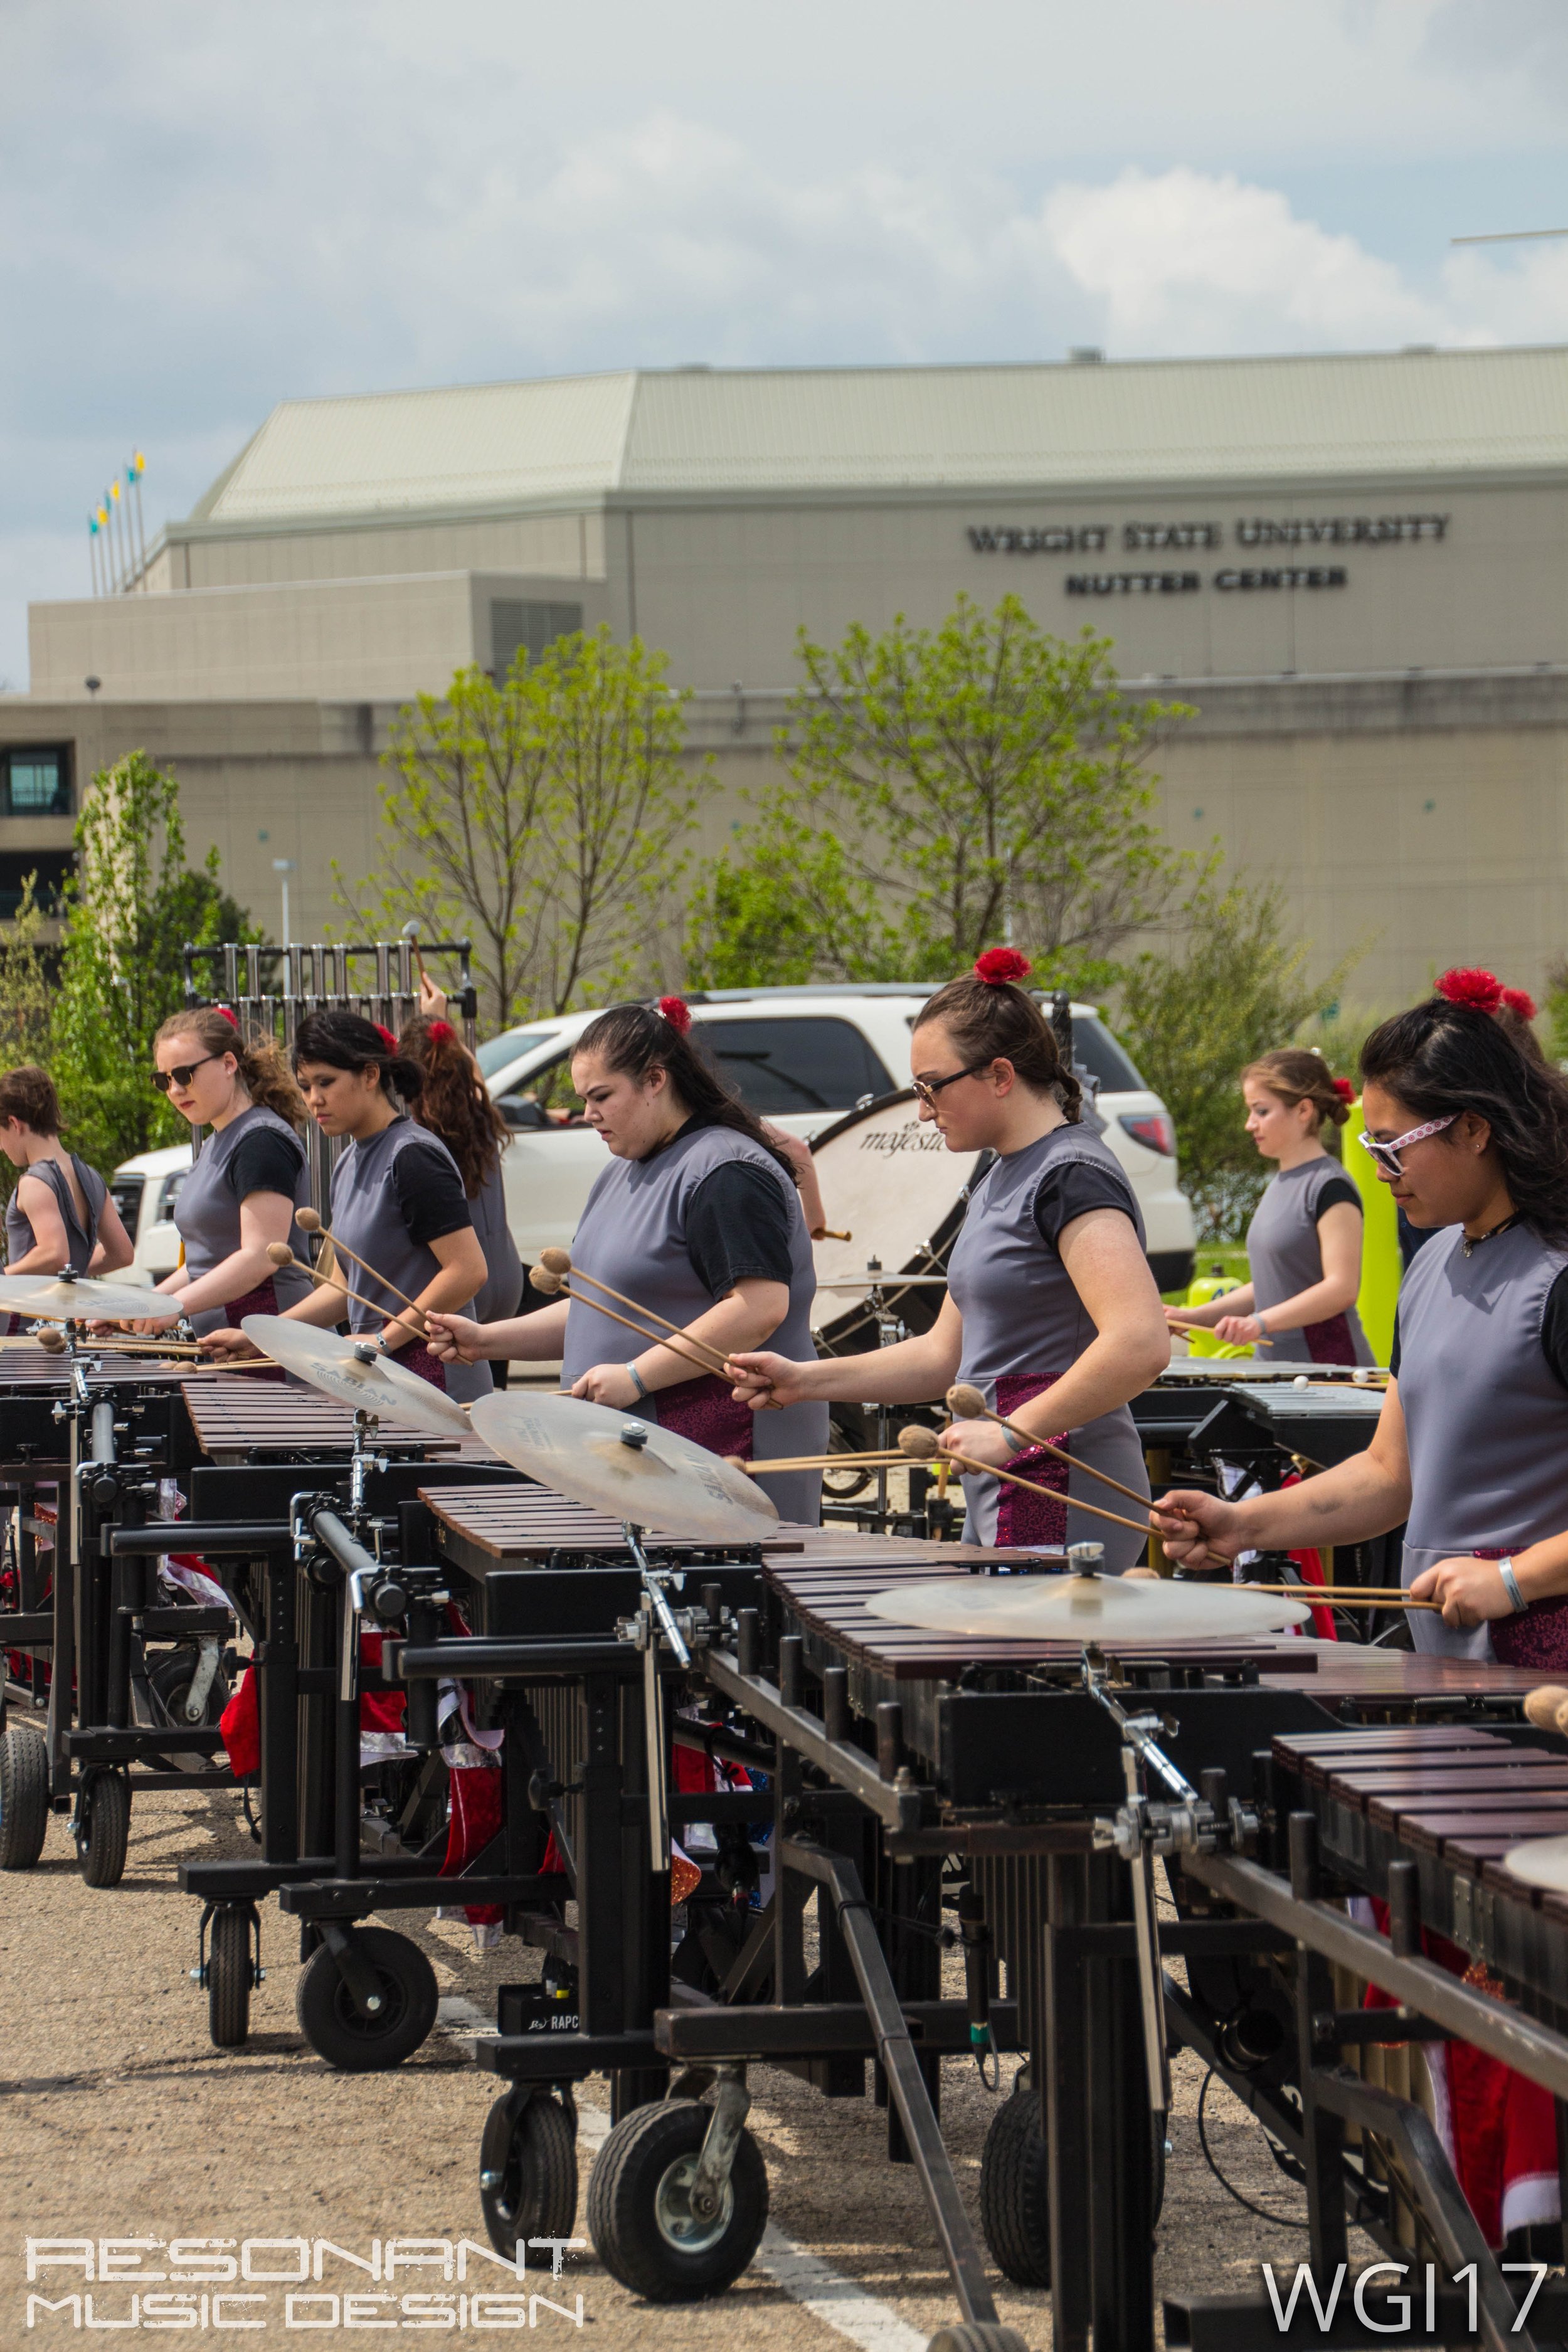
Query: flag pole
x=92 y=550
x=138 y=467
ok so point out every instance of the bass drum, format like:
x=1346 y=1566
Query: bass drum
x=899 y=1194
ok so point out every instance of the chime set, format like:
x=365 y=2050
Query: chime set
x=689 y=1719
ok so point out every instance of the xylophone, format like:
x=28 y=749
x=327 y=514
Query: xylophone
x=1010 y=1758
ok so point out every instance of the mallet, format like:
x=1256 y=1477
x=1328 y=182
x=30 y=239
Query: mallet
x=922 y=1446
x=558 y=1261
x=308 y=1222
x=281 y=1255
x=966 y=1404
x=553 y=1285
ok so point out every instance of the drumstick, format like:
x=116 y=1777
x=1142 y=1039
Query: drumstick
x=966 y=1404
x=710 y=1361
x=829 y=1233
x=850 y=1461
x=411 y=933
x=281 y=1255
x=309 y=1223
x=920 y=1446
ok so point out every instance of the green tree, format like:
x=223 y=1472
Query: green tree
x=980 y=782
x=131 y=907
x=544 y=815
x=792 y=908
x=1193 y=1018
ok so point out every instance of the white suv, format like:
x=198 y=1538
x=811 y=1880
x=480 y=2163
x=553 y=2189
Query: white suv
x=801 y=1057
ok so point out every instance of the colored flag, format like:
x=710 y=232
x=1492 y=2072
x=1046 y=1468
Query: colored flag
x=103 y=518
x=138 y=465
x=114 y=489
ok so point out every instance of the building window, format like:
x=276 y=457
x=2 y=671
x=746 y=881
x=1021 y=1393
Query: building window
x=36 y=781
x=53 y=869
x=528 y=627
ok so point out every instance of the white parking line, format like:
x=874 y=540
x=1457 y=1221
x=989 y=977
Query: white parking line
x=806 y=2278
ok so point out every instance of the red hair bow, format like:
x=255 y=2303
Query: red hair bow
x=1344 y=1090
x=677 y=1013
x=387 y=1039
x=1519 y=1001
x=441 y=1033
x=228 y=1015
x=998 y=966
x=1471 y=986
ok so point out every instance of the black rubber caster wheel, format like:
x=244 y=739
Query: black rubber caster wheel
x=332 y=2025
x=230 y=1973
x=170 y=1686
x=1014 y=2198
x=639 y=2210
x=977 y=2336
x=104 y=1828
x=528 y=2171
x=24 y=1796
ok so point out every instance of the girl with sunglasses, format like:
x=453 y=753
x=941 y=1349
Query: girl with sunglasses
x=398 y=1201
x=1469 y=1130
x=696 y=1216
x=60 y=1218
x=1304 y=1245
x=249 y=1177
x=1051 y=1309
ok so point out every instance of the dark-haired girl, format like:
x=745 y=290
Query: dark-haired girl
x=1304 y=1245
x=696 y=1216
x=249 y=1178
x=59 y=1219
x=455 y=1104
x=1051 y=1309
x=1470 y=1132
x=398 y=1198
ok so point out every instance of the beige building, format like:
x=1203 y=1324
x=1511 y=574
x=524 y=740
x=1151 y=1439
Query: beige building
x=1356 y=568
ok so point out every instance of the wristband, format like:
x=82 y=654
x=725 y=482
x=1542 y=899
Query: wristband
x=637 y=1383
x=1510 y=1585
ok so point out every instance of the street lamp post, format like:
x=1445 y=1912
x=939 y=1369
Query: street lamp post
x=283 y=867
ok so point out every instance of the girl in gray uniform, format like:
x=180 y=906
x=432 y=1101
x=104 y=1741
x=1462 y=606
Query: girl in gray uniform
x=1470 y=1453
x=397 y=1199
x=59 y=1219
x=1304 y=1245
x=1051 y=1309
x=455 y=1104
x=249 y=1177
x=697 y=1217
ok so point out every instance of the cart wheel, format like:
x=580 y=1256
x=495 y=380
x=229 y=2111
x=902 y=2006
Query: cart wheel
x=230 y=1973
x=639 y=2210
x=24 y=1796
x=169 y=1685
x=104 y=1828
x=333 y=2026
x=1015 y=2207
x=528 y=2171
x=977 y=2336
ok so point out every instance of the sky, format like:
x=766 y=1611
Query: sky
x=206 y=207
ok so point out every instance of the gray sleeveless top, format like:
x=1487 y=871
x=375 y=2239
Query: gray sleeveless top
x=1285 y=1257
x=1022 y=1318
x=81 y=1240
x=503 y=1292
x=1486 y=1417
x=633 y=1236
x=367 y=1217
x=206 y=1212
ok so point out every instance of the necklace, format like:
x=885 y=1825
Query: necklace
x=1473 y=1241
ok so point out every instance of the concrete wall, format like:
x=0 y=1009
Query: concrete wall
x=359 y=639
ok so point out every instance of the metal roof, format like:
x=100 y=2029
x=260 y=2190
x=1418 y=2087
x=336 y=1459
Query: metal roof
x=710 y=431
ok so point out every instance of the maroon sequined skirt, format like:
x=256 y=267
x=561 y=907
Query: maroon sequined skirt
x=706 y=1412
x=1025 y=1518
x=418 y=1358
x=1537 y=1636
x=262 y=1300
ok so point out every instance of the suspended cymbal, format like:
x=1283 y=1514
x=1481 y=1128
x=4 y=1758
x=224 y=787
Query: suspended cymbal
x=1541 y=1862
x=62 y=1298
x=1085 y=1609
x=628 y=1467
x=334 y=1363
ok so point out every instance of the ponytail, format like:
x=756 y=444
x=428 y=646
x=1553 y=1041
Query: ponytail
x=991 y=1019
x=347 y=1041
x=634 y=1040
x=1295 y=1075
x=454 y=1102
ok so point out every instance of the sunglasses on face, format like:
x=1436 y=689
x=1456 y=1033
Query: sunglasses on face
x=927 y=1089
x=1386 y=1155
x=182 y=1073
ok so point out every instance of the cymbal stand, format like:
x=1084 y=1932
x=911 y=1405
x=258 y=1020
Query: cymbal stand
x=655 y=1618
x=890 y=1329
